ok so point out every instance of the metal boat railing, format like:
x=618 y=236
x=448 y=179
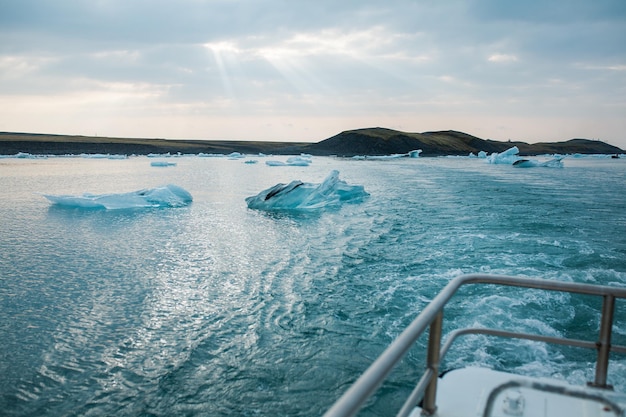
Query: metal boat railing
x=432 y=317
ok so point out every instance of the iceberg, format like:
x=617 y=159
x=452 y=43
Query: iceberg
x=530 y=163
x=164 y=196
x=507 y=157
x=298 y=195
x=162 y=164
x=511 y=157
x=235 y=155
x=411 y=154
x=211 y=155
x=303 y=160
x=103 y=156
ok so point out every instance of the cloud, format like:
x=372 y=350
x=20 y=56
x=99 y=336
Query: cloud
x=502 y=58
x=310 y=65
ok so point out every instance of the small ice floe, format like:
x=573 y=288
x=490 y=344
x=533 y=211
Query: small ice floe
x=162 y=164
x=481 y=155
x=530 y=163
x=250 y=161
x=164 y=155
x=275 y=164
x=302 y=160
x=298 y=195
x=164 y=196
x=103 y=156
x=235 y=155
x=411 y=154
x=24 y=155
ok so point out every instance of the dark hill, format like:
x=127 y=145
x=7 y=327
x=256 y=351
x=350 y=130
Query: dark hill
x=42 y=144
x=582 y=146
x=381 y=141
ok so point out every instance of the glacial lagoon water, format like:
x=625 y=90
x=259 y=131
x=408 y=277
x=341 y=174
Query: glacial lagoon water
x=215 y=309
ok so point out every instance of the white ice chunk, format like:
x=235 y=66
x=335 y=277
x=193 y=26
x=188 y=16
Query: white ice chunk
x=298 y=195
x=507 y=157
x=530 y=163
x=511 y=157
x=275 y=163
x=164 y=196
x=303 y=160
x=412 y=154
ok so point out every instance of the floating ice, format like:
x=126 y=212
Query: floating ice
x=275 y=163
x=529 y=163
x=164 y=155
x=162 y=164
x=298 y=195
x=23 y=155
x=410 y=154
x=164 y=196
x=103 y=156
x=303 y=160
x=507 y=157
x=235 y=155
x=511 y=157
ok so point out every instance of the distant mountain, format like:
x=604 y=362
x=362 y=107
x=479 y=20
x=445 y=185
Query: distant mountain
x=45 y=144
x=370 y=141
x=382 y=141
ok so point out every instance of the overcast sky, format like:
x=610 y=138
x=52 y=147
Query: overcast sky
x=531 y=70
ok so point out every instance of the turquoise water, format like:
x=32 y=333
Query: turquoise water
x=215 y=309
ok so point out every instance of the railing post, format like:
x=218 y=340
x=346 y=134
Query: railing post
x=429 y=405
x=604 y=344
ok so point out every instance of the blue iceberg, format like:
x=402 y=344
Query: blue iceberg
x=511 y=157
x=411 y=154
x=304 y=160
x=507 y=157
x=298 y=195
x=530 y=163
x=162 y=164
x=164 y=196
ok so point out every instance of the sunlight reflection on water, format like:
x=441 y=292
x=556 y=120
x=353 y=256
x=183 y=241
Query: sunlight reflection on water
x=215 y=309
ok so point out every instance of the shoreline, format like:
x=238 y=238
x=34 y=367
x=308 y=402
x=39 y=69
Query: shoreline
x=365 y=142
x=42 y=144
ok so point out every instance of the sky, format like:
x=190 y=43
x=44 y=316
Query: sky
x=303 y=71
